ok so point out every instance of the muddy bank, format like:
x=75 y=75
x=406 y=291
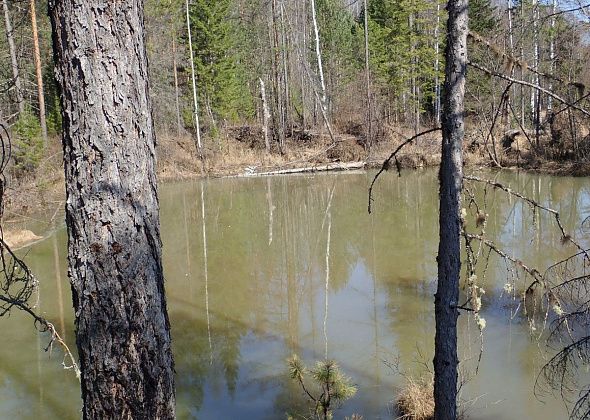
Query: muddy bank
x=40 y=195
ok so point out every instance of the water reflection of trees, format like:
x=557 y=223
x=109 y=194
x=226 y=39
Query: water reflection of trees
x=273 y=287
x=260 y=285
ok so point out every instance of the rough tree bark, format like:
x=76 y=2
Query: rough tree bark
x=112 y=210
x=451 y=184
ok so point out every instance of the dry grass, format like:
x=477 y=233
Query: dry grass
x=416 y=399
x=20 y=238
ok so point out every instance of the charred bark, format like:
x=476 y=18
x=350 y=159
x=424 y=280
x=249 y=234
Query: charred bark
x=451 y=184
x=112 y=210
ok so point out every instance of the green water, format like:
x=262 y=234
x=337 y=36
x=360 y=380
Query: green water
x=261 y=296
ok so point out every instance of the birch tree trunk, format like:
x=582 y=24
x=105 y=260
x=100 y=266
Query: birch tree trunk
x=13 y=59
x=319 y=55
x=176 y=90
x=194 y=82
x=279 y=115
x=39 y=72
x=265 y=115
x=552 y=54
x=368 y=143
x=535 y=97
x=112 y=210
x=451 y=184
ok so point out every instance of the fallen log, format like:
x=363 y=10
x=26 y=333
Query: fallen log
x=335 y=166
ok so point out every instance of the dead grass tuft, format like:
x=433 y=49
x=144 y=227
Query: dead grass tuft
x=416 y=399
x=20 y=238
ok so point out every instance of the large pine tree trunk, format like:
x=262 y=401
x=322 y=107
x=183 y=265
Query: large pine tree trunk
x=451 y=183
x=112 y=211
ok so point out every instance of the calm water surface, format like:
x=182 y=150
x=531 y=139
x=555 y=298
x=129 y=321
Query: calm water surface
x=256 y=294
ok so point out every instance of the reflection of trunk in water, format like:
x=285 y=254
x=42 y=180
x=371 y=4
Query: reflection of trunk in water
x=292 y=304
x=271 y=208
x=205 y=270
x=375 y=326
x=60 y=300
x=327 y=280
x=187 y=245
x=38 y=352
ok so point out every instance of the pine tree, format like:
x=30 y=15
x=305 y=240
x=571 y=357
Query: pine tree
x=402 y=51
x=221 y=78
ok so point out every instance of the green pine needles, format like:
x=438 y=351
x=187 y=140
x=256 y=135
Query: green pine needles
x=221 y=76
x=330 y=386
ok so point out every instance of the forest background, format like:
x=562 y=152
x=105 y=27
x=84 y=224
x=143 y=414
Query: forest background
x=271 y=92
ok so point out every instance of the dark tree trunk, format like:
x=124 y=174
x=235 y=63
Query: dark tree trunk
x=112 y=212
x=451 y=183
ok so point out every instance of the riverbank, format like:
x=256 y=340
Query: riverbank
x=39 y=196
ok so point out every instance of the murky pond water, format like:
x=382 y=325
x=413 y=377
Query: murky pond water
x=256 y=294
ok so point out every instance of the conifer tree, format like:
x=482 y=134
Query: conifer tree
x=221 y=77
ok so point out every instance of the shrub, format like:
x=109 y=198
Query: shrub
x=28 y=143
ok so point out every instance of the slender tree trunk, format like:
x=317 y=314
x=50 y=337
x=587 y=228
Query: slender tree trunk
x=279 y=119
x=451 y=184
x=552 y=54
x=112 y=210
x=535 y=96
x=414 y=85
x=318 y=53
x=176 y=90
x=522 y=57
x=13 y=59
x=285 y=58
x=265 y=115
x=507 y=105
x=303 y=63
x=437 y=66
x=194 y=82
x=368 y=143
x=40 y=93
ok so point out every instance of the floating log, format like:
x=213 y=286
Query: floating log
x=335 y=166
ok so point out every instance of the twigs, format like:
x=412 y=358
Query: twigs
x=387 y=163
x=531 y=85
x=17 y=282
x=533 y=272
x=565 y=236
x=559 y=298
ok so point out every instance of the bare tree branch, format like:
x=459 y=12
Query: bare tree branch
x=531 y=85
x=387 y=163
